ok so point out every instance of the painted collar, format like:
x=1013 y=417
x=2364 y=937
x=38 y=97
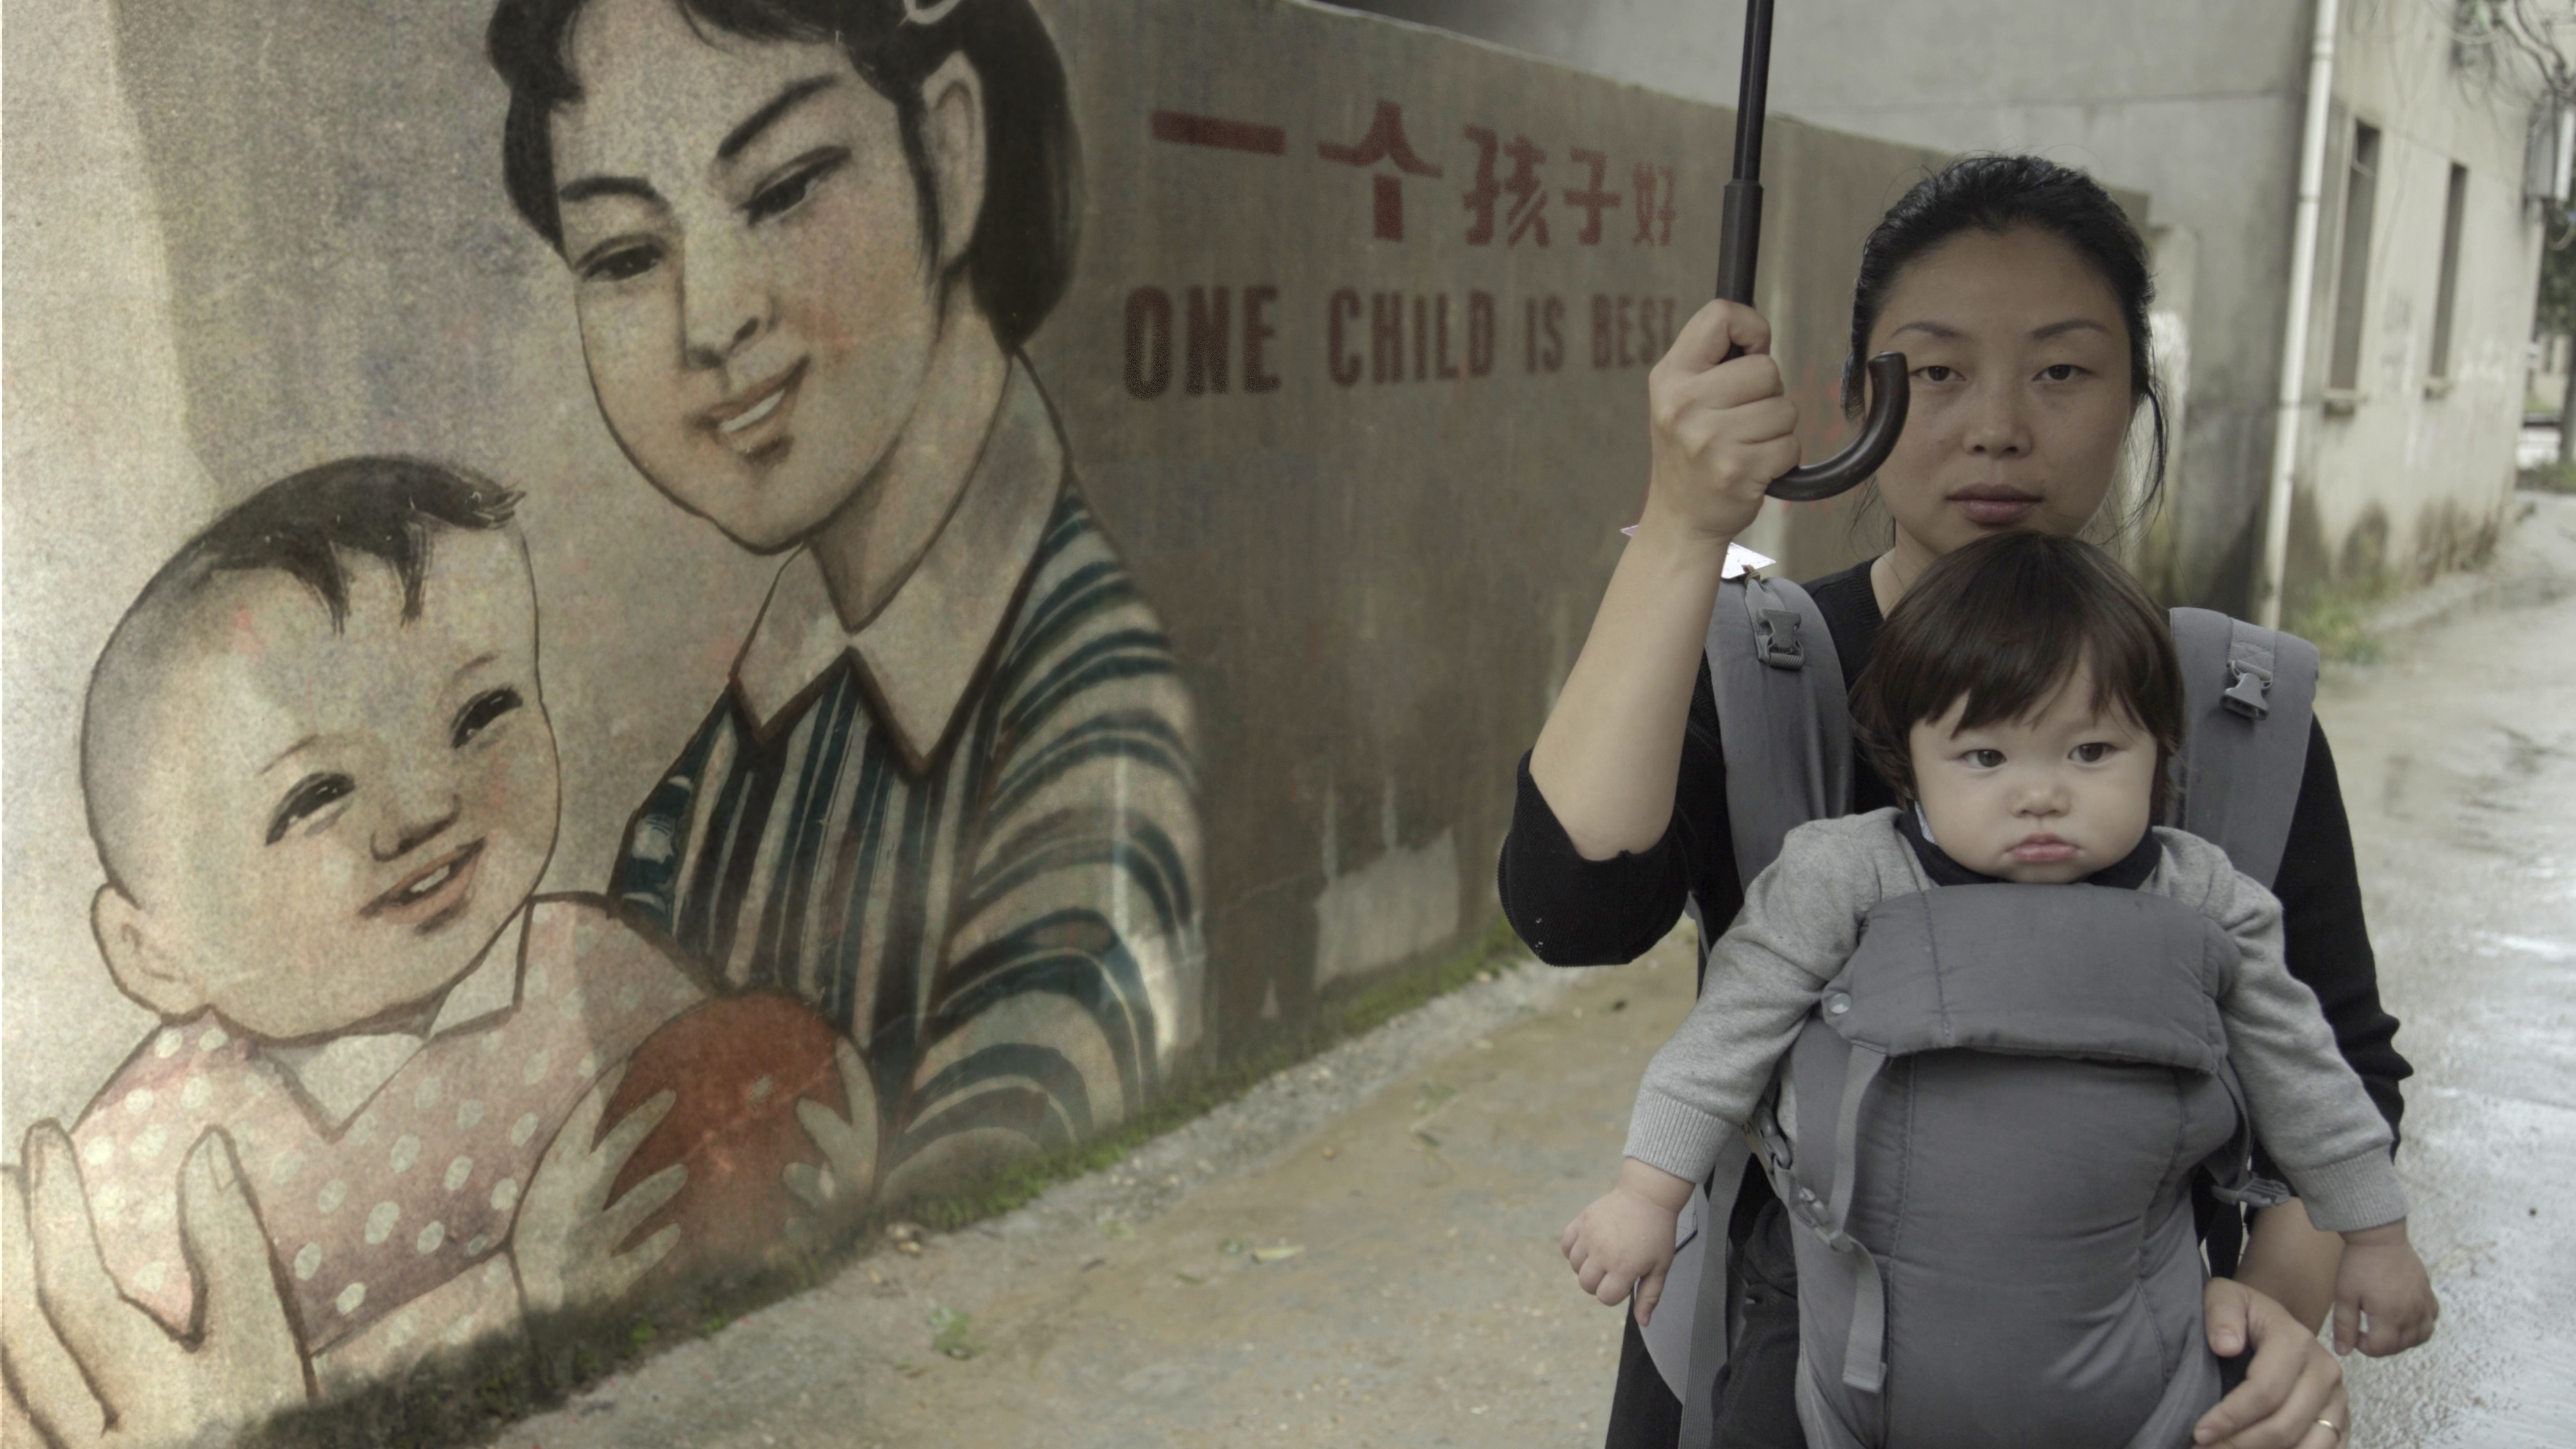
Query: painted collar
x=921 y=652
x=340 y=1075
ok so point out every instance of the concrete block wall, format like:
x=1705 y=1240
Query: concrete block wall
x=1349 y=372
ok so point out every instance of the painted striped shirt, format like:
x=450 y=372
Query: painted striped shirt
x=967 y=832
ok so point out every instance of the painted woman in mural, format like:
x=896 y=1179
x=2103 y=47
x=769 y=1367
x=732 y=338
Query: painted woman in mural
x=948 y=796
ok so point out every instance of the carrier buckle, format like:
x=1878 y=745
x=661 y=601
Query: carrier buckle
x=1775 y=639
x=2249 y=689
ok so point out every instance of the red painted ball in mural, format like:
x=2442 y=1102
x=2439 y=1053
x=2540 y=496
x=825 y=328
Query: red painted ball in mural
x=738 y=1066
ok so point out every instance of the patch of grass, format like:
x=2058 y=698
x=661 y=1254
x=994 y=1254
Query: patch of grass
x=464 y=1395
x=952 y=1332
x=2547 y=478
x=2336 y=617
x=1390 y=999
x=1020 y=1183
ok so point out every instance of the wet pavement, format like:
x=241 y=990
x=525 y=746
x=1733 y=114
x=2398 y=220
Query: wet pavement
x=1364 y=1253
x=2457 y=755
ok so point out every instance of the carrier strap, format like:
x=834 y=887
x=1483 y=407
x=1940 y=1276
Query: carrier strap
x=1827 y=1216
x=1865 y=1352
x=2231 y=1167
x=2249 y=695
x=1687 y=1340
x=1781 y=712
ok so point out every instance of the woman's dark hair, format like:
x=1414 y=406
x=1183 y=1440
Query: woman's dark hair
x=1022 y=250
x=2005 y=622
x=1995 y=194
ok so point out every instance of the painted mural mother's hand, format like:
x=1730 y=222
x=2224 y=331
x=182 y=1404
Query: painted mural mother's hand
x=94 y=1369
x=565 y=1240
x=840 y=1190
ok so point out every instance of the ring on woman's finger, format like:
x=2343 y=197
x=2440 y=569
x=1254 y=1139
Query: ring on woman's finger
x=2335 y=1427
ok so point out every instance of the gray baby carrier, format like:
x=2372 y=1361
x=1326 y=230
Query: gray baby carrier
x=1957 y=1285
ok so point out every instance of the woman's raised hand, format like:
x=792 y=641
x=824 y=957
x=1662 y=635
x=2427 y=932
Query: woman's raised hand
x=1723 y=428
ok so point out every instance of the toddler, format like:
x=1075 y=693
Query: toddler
x=2025 y=702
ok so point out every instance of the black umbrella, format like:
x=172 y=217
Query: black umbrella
x=1739 y=239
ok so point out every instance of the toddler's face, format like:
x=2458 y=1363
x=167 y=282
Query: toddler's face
x=2052 y=797
x=345 y=820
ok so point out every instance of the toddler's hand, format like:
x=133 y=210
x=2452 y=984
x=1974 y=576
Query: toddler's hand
x=2383 y=1279
x=1623 y=1243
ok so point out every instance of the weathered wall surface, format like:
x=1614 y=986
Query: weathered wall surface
x=1350 y=373
x=2406 y=472
x=2195 y=104
x=2199 y=105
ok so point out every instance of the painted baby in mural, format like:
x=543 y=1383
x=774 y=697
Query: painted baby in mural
x=320 y=775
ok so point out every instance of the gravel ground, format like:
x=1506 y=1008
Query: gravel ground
x=1361 y=1251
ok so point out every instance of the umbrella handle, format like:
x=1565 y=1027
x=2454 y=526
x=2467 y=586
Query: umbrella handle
x=1739 y=242
x=1879 y=430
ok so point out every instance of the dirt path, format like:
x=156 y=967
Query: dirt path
x=1424 y=1302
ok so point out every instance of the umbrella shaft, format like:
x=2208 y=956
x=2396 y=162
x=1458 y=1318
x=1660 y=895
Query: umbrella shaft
x=1740 y=234
x=1752 y=97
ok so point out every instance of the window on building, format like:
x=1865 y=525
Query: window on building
x=2444 y=295
x=2352 y=273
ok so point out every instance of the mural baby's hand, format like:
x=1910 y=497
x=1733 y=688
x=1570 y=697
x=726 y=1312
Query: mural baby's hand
x=94 y=1369
x=840 y=1190
x=565 y=1240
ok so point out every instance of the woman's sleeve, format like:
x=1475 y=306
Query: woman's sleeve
x=2327 y=943
x=1576 y=912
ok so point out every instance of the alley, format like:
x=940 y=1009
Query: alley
x=2458 y=760
x=1388 y=1274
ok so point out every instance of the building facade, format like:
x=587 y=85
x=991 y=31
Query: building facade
x=2427 y=248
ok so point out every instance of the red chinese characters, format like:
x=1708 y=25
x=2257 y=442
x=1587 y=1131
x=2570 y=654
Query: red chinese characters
x=1385 y=141
x=1589 y=198
x=1524 y=186
x=1528 y=215
x=1643 y=184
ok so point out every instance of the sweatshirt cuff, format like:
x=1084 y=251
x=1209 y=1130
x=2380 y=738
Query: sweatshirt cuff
x=2361 y=1191
x=1679 y=1139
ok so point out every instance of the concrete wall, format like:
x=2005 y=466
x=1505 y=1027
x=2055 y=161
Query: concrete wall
x=2405 y=473
x=1350 y=372
x=2197 y=104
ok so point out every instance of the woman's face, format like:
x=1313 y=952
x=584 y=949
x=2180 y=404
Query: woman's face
x=745 y=237
x=2019 y=360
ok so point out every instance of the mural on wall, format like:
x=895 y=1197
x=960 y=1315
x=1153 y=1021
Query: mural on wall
x=947 y=794
x=1046 y=526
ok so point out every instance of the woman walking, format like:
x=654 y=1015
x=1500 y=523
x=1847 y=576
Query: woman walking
x=2019 y=293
